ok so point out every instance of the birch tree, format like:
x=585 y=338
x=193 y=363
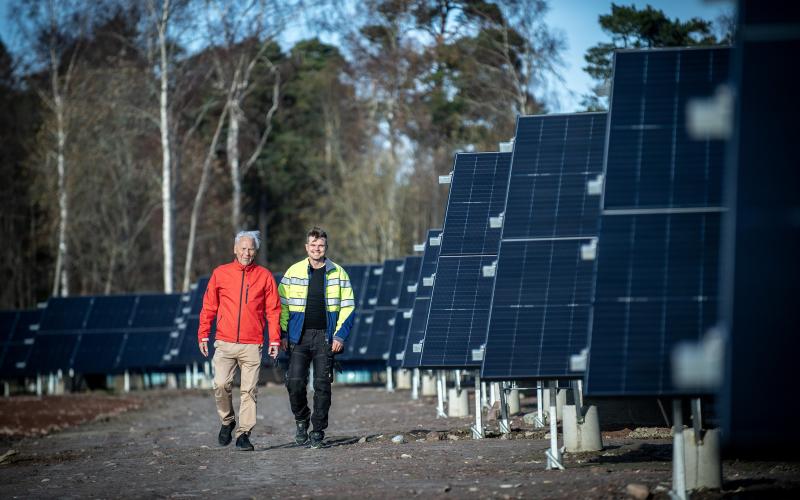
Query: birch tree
x=242 y=34
x=161 y=20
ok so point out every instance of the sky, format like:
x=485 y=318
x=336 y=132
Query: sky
x=577 y=19
x=577 y=22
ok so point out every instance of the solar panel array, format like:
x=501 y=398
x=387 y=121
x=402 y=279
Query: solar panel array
x=16 y=341
x=542 y=296
x=659 y=237
x=359 y=335
x=459 y=307
x=422 y=300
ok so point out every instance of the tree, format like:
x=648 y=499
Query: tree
x=630 y=27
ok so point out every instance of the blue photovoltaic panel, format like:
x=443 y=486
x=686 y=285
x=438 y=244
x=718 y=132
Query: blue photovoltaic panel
x=17 y=343
x=65 y=313
x=156 y=311
x=422 y=300
x=99 y=353
x=659 y=238
x=411 y=267
x=196 y=302
x=459 y=308
x=652 y=162
x=540 y=311
x=477 y=192
x=555 y=158
x=53 y=351
x=761 y=240
x=144 y=349
x=389 y=291
x=111 y=312
x=459 y=312
x=408 y=287
x=380 y=332
x=358 y=277
x=397 y=349
x=358 y=341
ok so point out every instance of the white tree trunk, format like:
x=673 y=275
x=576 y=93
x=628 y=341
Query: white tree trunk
x=166 y=169
x=61 y=279
x=233 y=162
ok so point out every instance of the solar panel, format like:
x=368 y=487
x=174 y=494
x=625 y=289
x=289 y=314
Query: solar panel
x=65 y=313
x=98 y=353
x=377 y=343
x=111 y=312
x=16 y=346
x=402 y=317
x=659 y=236
x=459 y=308
x=359 y=335
x=402 y=320
x=143 y=349
x=422 y=300
x=540 y=306
x=762 y=239
x=156 y=311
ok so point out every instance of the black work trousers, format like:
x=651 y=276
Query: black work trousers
x=312 y=348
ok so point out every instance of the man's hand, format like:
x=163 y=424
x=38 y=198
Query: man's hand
x=273 y=351
x=204 y=348
x=285 y=344
x=337 y=346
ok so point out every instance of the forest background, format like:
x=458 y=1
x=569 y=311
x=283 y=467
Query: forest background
x=137 y=137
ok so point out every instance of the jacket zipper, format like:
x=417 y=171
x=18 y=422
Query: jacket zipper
x=246 y=292
x=239 y=319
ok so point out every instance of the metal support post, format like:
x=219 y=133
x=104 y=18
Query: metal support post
x=126 y=382
x=554 y=453
x=188 y=381
x=539 y=422
x=505 y=428
x=415 y=384
x=457 y=380
x=441 y=388
x=697 y=420
x=389 y=379
x=39 y=384
x=484 y=402
x=678 y=458
x=477 y=429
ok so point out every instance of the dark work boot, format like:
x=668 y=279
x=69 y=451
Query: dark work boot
x=243 y=442
x=225 y=433
x=301 y=435
x=316 y=439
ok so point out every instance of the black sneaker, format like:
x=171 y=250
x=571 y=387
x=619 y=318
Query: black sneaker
x=316 y=439
x=243 y=442
x=301 y=436
x=225 y=433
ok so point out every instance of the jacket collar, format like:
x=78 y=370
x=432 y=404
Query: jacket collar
x=329 y=265
x=240 y=267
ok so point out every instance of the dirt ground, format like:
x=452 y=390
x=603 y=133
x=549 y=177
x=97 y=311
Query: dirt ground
x=163 y=444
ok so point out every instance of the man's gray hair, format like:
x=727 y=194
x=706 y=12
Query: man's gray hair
x=256 y=235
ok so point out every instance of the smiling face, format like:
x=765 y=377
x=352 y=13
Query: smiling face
x=245 y=250
x=316 y=247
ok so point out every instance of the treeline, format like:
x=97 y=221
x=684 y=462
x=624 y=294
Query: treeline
x=138 y=136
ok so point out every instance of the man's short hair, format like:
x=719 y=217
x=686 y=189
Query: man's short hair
x=256 y=235
x=316 y=233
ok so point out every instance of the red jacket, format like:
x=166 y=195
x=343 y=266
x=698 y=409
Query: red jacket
x=243 y=299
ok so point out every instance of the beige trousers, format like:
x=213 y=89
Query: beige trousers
x=227 y=356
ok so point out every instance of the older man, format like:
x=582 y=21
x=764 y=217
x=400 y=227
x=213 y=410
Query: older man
x=243 y=297
x=317 y=312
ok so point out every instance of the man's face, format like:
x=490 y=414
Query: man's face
x=245 y=251
x=316 y=248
